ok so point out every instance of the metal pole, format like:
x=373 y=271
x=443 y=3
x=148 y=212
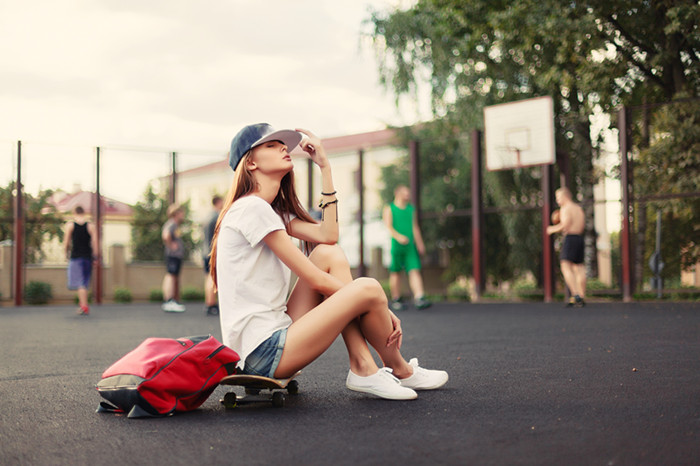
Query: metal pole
x=173 y=200
x=414 y=156
x=173 y=177
x=658 y=263
x=547 y=245
x=625 y=243
x=477 y=217
x=19 y=230
x=98 y=230
x=362 y=269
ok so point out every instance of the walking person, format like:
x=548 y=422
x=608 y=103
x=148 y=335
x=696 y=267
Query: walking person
x=406 y=247
x=174 y=255
x=211 y=303
x=572 y=222
x=80 y=244
x=252 y=255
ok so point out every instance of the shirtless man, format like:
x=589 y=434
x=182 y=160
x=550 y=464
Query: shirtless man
x=572 y=222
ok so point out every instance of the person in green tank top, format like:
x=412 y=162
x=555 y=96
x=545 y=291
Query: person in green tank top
x=406 y=245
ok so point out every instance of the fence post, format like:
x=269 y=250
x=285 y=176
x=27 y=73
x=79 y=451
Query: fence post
x=547 y=246
x=414 y=173
x=362 y=269
x=19 y=230
x=477 y=217
x=98 y=230
x=625 y=243
x=173 y=200
x=173 y=177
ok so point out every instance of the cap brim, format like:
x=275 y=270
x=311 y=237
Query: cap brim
x=289 y=137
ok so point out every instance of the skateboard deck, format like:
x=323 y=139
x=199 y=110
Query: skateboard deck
x=259 y=389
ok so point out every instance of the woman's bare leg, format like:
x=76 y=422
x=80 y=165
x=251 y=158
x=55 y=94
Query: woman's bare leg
x=313 y=332
x=331 y=259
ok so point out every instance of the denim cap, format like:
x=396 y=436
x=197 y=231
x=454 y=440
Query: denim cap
x=253 y=135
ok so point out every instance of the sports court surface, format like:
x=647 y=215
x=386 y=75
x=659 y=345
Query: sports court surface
x=529 y=383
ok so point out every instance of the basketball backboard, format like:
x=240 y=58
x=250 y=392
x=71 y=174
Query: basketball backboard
x=519 y=134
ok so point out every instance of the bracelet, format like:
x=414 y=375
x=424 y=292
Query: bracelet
x=323 y=206
x=328 y=194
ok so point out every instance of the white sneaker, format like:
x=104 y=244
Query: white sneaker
x=424 y=379
x=172 y=306
x=382 y=383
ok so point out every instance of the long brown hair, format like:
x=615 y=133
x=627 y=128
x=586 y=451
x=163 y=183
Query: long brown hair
x=286 y=204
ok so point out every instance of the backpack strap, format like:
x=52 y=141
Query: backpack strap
x=106 y=407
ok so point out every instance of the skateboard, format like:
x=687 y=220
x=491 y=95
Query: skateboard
x=259 y=389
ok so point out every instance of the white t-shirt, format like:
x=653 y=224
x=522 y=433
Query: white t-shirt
x=252 y=282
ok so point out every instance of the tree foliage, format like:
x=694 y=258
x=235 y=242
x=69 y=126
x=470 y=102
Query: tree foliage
x=671 y=165
x=150 y=214
x=590 y=56
x=42 y=222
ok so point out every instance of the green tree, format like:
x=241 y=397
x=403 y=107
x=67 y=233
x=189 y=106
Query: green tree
x=671 y=165
x=589 y=56
x=42 y=222
x=150 y=214
x=475 y=55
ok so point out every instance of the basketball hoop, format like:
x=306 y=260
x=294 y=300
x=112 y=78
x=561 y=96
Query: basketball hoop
x=519 y=134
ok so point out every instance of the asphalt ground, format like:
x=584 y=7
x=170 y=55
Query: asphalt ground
x=529 y=384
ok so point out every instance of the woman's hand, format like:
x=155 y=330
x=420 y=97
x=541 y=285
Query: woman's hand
x=311 y=144
x=397 y=335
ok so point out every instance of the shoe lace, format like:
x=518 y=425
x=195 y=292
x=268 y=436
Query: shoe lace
x=387 y=373
x=417 y=370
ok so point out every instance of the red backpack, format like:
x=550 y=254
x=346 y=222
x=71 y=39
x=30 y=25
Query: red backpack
x=164 y=375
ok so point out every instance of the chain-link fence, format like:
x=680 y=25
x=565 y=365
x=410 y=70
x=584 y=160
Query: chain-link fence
x=664 y=187
x=136 y=185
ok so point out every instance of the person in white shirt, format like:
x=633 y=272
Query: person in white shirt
x=276 y=335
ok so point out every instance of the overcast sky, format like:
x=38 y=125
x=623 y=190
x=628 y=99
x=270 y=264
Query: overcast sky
x=185 y=74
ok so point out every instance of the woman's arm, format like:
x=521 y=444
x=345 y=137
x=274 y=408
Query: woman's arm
x=326 y=231
x=279 y=242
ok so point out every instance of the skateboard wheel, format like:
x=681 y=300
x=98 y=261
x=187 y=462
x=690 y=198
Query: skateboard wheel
x=293 y=387
x=278 y=399
x=230 y=401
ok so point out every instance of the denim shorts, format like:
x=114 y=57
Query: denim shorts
x=266 y=357
x=79 y=272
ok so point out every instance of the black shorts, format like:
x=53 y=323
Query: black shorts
x=173 y=264
x=206 y=265
x=572 y=249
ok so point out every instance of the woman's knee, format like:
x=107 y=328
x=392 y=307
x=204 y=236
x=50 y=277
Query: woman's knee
x=371 y=291
x=327 y=255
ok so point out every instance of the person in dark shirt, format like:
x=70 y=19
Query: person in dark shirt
x=174 y=255
x=80 y=243
x=210 y=299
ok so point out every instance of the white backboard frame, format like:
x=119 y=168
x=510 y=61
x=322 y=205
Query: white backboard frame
x=519 y=134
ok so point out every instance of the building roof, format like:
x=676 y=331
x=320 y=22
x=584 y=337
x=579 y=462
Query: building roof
x=67 y=202
x=334 y=145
